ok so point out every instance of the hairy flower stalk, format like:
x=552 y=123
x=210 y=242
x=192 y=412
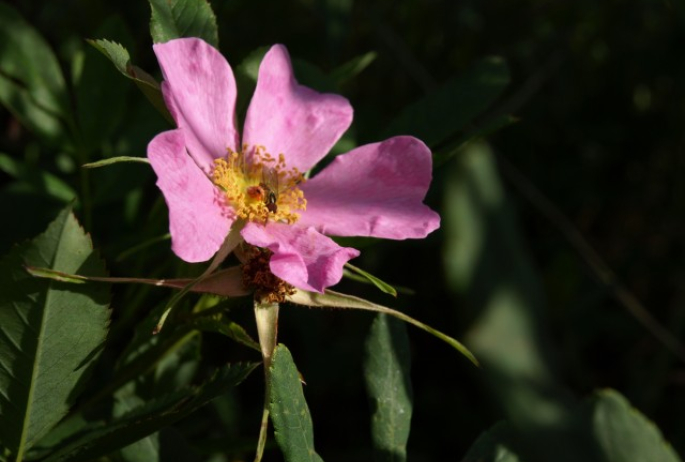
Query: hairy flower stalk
x=266 y=315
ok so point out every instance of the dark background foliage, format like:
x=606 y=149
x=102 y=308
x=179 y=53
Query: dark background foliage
x=597 y=88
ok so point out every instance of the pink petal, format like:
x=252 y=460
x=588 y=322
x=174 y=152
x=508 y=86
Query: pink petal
x=302 y=256
x=200 y=92
x=197 y=220
x=374 y=190
x=289 y=119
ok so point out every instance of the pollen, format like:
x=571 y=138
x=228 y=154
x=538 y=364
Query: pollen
x=262 y=189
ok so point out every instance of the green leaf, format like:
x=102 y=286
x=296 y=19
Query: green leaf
x=387 y=364
x=144 y=450
x=487 y=128
x=142 y=355
x=98 y=441
x=174 y=371
x=183 y=18
x=32 y=86
x=144 y=81
x=222 y=325
x=101 y=96
x=115 y=52
x=493 y=445
x=312 y=76
x=157 y=447
x=482 y=234
x=383 y=286
x=289 y=412
x=624 y=434
x=249 y=66
x=486 y=264
x=246 y=79
x=50 y=333
x=353 y=68
x=142 y=246
x=40 y=181
x=448 y=110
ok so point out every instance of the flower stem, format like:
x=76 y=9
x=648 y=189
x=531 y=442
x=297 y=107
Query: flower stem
x=266 y=315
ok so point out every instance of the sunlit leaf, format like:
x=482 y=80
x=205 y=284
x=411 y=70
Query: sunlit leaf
x=289 y=411
x=382 y=285
x=387 y=364
x=50 y=332
x=183 y=18
x=115 y=52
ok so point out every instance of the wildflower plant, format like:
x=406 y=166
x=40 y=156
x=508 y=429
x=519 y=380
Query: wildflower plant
x=250 y=198
x=267 y=196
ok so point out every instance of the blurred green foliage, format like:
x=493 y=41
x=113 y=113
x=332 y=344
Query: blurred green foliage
x=597 y=88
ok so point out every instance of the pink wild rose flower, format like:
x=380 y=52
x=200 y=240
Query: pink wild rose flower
x=210 y=177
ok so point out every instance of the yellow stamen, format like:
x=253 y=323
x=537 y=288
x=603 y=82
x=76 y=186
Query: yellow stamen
x=263 y=189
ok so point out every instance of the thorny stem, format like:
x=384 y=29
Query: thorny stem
x=266 y=315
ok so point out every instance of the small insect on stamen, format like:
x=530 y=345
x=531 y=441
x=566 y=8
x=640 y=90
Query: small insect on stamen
x=270 y=198
x=270 y=202
x=262 y=189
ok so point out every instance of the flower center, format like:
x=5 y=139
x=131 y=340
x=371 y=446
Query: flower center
x=263 y=189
